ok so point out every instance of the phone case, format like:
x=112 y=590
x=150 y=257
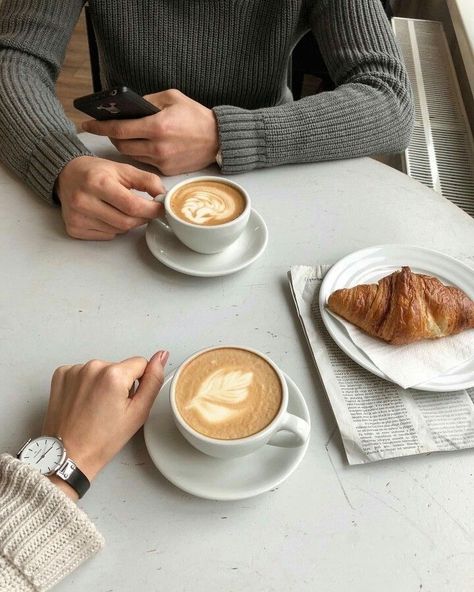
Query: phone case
x=116 y=103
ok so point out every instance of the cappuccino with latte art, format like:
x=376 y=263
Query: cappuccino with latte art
x=207 y=203
x=230 y=401
x=207 y=214
x=228 y=393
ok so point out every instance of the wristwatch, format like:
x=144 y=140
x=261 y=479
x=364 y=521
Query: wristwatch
x=48 y=455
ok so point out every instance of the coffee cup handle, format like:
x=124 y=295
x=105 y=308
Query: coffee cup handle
x=292 y=432
x=162 y=216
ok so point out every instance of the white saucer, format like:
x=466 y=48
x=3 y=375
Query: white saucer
x=171 y=252
x=370 y=265
x=213 y=478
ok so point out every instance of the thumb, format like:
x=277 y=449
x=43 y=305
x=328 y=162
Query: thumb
x=158 y=99
x=151 y=381
x=166 y=98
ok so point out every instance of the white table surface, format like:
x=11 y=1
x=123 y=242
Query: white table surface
x=401 y=525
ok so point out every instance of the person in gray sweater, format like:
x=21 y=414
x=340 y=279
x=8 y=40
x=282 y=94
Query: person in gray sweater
x=44 y=536
x=218 y=70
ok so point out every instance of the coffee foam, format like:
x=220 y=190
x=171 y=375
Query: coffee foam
x=207 y=203
x=228 y=393
x=220 y=393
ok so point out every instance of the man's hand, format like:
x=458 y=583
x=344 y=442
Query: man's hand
x=96 y=200
x=95 y=411
x=181 y=138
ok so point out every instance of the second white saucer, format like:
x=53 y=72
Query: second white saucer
x=171 y=252
x=214 y=478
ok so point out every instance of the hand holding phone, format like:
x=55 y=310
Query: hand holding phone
x=182 y=137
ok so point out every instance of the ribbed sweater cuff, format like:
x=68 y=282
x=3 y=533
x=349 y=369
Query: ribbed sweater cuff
x=241 y=139
x=43 y=534
x=48 y=159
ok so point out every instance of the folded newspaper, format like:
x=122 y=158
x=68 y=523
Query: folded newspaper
x=377 y=419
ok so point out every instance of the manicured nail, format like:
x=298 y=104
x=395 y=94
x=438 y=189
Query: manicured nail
x=163 y=357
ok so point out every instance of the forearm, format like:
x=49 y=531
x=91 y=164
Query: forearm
x=370 y=111
x=43 y=535
x=355 y=121
x=36 y=138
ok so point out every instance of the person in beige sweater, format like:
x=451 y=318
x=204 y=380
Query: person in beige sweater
x=93 y=411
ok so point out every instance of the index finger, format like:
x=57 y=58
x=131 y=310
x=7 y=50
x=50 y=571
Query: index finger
x=133 y=368
x=131 y=204
x=119 y=129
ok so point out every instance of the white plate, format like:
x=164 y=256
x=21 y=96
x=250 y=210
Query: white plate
x=214 y=478
x=368 y=266
x=171 y=252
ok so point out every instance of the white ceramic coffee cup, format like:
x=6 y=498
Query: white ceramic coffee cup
x=204 y=239
x=286 y=430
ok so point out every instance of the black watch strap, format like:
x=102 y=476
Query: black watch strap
x=74 y=477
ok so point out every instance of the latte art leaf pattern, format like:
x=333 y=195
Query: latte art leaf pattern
x=203 y=206
x=220 y=392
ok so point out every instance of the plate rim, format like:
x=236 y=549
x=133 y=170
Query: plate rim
x=229 y=271
x=365 y=362
x=255 y=492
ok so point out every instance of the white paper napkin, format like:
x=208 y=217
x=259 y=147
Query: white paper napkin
x=415 y=363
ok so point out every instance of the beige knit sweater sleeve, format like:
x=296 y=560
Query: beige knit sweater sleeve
x=43 y=535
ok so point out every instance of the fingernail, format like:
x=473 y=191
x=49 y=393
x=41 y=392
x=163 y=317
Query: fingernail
x=163 y=357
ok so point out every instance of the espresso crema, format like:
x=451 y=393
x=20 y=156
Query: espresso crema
x=207 y=203
x=228 y=393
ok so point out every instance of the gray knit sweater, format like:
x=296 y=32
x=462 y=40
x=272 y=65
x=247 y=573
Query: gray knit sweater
x=231 y=55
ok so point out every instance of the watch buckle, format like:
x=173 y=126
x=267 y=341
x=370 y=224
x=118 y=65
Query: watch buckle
x=66 y=469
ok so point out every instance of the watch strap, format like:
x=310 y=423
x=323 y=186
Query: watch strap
x=74 y=477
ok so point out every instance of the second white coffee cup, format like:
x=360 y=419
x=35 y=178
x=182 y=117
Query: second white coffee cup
x=297 y=429
x=202 y=238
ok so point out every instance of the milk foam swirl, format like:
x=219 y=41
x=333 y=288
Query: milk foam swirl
x=220 y=392
x=203 y=206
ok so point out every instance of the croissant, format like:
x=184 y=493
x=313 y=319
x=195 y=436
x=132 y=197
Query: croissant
x=405 y=307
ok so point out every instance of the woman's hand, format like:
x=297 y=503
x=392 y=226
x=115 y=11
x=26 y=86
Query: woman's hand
x=181 y=138
x=93 y=408
x=96 y=200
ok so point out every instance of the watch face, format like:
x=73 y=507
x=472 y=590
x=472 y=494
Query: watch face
x=45 y=454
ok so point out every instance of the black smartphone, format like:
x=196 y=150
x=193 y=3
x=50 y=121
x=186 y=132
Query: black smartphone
x=116 y=103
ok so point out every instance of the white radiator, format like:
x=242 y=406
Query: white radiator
x=441 y=151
